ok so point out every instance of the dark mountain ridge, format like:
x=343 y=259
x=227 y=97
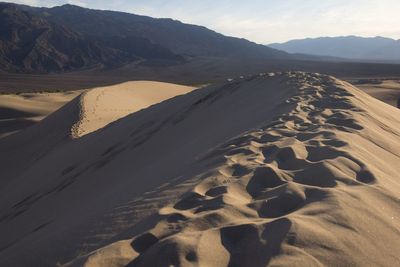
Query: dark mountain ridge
x=69 y=37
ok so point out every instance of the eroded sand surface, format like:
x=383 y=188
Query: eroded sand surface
x=285 y=169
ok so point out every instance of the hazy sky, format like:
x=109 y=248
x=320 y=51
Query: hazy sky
x=265 y=21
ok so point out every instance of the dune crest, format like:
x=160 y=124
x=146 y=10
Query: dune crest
x=303 y=189
x=283 y=169
x=103 y=105
x=24 y=110
x=97 y=106
x=88 y=111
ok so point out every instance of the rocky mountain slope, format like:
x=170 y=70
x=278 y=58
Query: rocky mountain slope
x=69 y=37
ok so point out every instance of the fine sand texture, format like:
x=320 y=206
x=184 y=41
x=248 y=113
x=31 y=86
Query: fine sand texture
x=278 y=169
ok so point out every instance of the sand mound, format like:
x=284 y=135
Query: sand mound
x=103 y=105
x=98 y=106
x=89 y=111
x=23 y=110
x=286 y=169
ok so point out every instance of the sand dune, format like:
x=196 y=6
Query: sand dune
x=289 y=169
x=23 y=110
x=98 y=106
x=103 y=105
x=89 y=111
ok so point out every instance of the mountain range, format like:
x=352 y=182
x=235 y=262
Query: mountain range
x=372 y=49
x=70 y=37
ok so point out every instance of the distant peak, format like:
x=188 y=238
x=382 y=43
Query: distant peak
x=69 y=6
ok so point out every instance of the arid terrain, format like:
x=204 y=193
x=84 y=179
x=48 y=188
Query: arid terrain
x=273 y=168
x=100 y=106
x=18 y=111
x=21 y=110
x=199 y=134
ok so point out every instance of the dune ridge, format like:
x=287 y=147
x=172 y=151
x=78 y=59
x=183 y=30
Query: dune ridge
x=97 y=106
x=303 y=190
x=103 y=105
x=275 y=169
x=24 y=110
x=88 y=111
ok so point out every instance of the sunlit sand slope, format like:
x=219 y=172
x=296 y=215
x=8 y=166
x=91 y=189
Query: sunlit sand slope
x=103 y=105
x=286 y=169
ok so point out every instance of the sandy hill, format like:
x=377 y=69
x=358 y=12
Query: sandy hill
x=280 y=169
x=89 y=111
x=19 y=111
x=103 y=105
x=97 y=106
